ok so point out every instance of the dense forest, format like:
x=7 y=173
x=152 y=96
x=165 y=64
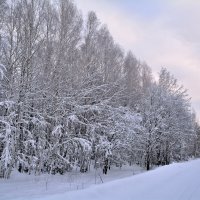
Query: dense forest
x=71 y=97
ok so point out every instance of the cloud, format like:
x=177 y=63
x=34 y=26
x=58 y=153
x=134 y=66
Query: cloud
x=161 y=33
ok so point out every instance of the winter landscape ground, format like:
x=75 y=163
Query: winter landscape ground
x=178 y=181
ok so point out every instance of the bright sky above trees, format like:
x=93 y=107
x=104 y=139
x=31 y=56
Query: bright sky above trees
x=162 y=33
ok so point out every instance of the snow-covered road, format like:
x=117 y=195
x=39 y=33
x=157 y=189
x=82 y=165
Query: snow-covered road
x=174 y=182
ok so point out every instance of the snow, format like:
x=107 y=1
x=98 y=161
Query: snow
x=23 y=186
x=2 y=69
x=178 y=181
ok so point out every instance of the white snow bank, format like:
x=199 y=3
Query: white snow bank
x=174 y=182
x=23 y=186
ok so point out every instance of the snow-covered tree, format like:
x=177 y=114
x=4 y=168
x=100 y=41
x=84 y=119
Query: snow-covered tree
x=70 y=97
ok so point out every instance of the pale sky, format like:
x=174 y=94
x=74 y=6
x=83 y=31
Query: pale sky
x=161 y=32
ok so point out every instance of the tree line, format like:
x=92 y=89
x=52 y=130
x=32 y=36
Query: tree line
x=71 y=97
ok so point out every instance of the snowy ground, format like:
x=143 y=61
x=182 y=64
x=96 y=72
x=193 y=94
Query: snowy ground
x=174 y=182
x=23 y=186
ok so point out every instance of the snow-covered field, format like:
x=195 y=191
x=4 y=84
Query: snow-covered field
x=174 y=182
x=23 y=186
